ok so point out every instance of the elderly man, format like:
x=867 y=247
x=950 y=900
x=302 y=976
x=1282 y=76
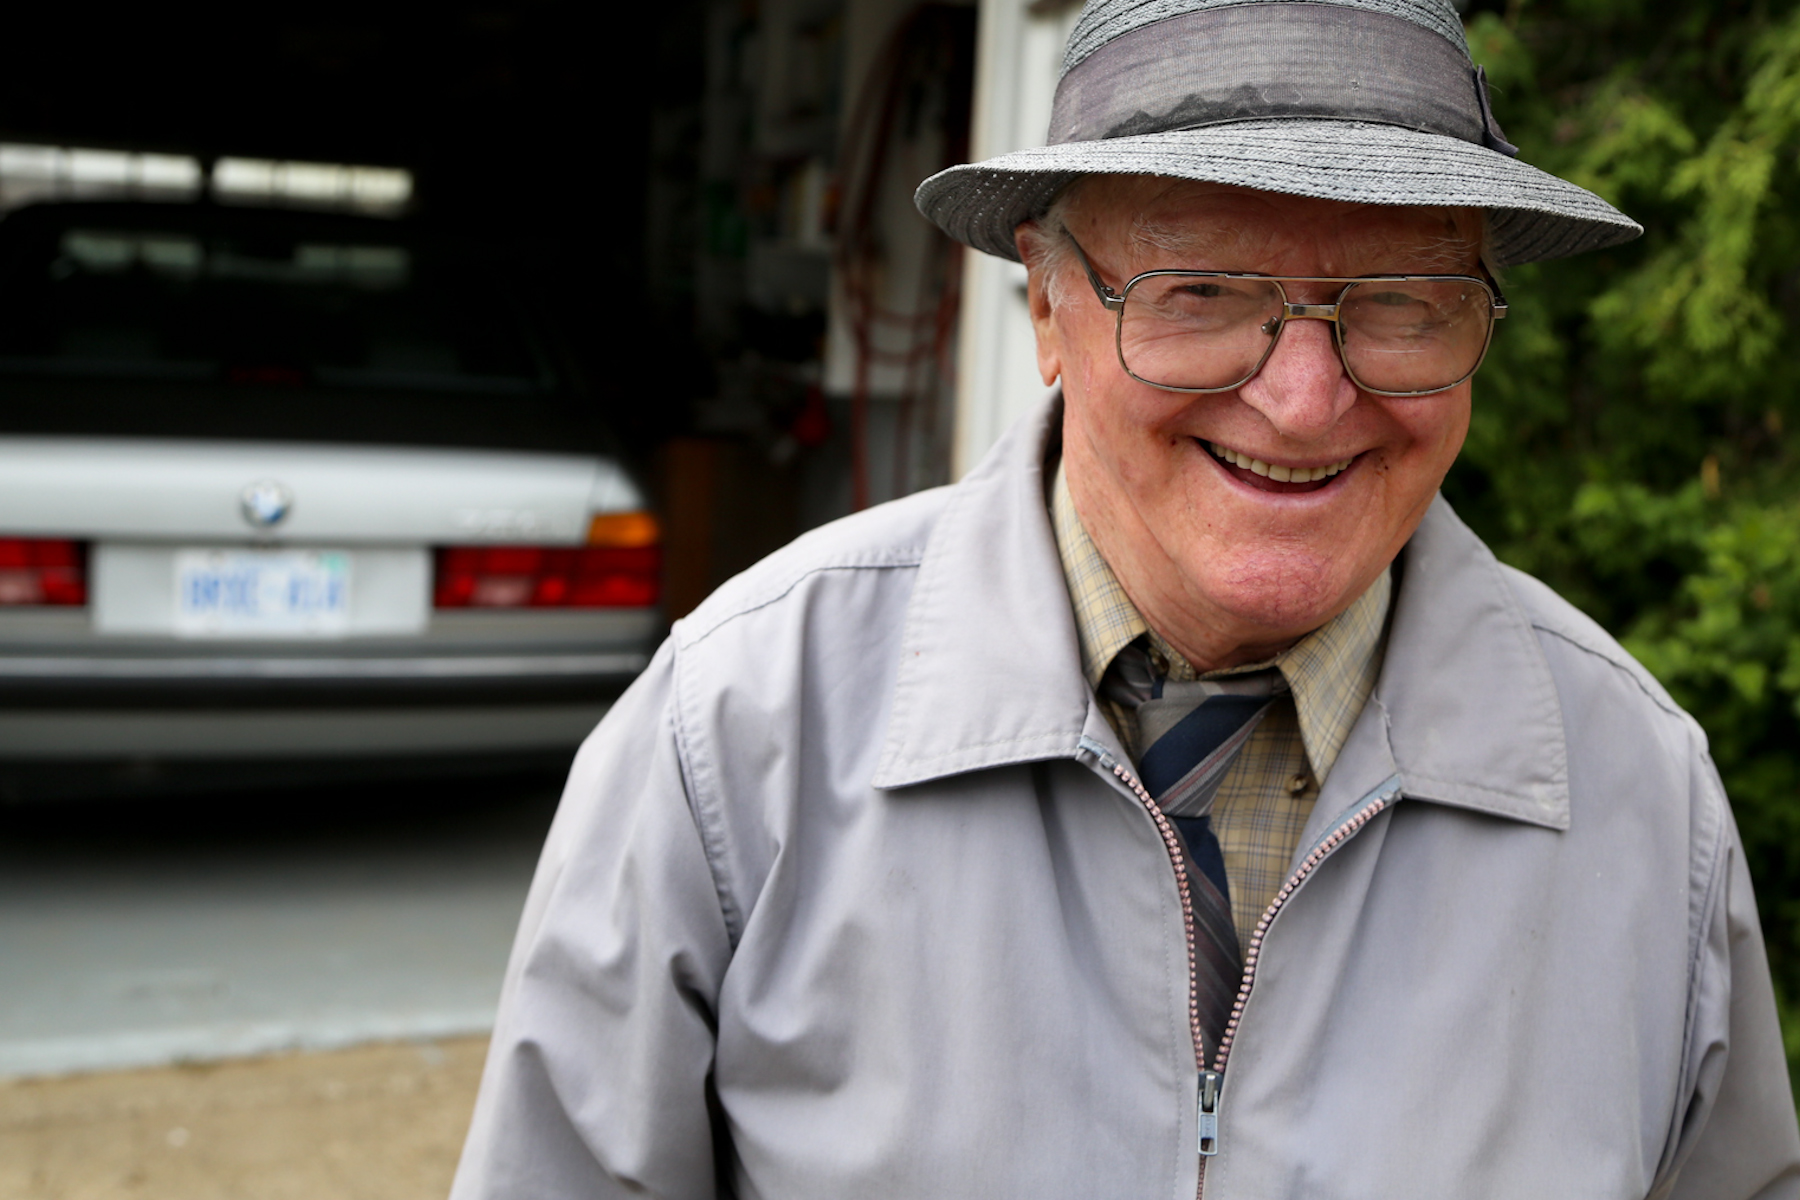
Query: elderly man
x=1185 y=802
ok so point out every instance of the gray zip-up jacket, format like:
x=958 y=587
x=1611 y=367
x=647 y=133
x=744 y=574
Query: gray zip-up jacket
x=853 y=895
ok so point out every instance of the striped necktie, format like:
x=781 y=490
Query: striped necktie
x=1188 y=736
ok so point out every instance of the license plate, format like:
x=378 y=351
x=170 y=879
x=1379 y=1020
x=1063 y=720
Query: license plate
x=262 y=593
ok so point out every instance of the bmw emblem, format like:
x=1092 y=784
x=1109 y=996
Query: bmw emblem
x=265 y=505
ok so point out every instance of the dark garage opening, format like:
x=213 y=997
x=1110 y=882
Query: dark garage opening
x=705 y=199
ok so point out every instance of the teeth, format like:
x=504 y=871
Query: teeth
x=1278 y=473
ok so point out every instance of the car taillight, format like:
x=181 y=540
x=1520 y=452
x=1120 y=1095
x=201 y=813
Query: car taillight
x=621 y=567
x=42 y=571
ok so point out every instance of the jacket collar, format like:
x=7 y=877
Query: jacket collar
x=1465 y=712
x=1470 y=708
x=990 y=670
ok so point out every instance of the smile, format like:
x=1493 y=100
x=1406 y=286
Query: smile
x=1278 y=473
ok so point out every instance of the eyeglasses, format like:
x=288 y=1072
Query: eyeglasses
x=1212 y=331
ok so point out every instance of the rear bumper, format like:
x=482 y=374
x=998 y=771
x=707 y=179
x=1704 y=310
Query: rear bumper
x=88 y=680
x=74 y=735
x=474 y=684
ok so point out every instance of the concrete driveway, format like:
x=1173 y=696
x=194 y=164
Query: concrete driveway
x=270 y=996
x=165 y=931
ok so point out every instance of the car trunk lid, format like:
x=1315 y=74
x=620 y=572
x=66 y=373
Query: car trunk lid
x=164 y=490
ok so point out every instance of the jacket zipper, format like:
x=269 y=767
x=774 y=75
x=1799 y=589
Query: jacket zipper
x=1343 y=833
x=1212 y=1078
x=1171 y=846
x=1208 y=1116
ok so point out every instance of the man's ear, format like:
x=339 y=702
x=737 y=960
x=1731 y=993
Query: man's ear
x=1043 y=316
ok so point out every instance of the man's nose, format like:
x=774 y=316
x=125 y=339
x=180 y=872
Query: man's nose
x=1302 y=389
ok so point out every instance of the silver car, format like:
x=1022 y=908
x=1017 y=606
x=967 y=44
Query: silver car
x=285 y=494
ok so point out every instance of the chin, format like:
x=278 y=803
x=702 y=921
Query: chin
x=1285 y=594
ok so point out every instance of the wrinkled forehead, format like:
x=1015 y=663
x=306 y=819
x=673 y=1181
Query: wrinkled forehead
x=1149 y=221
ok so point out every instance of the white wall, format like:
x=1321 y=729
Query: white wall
x=1018 y=57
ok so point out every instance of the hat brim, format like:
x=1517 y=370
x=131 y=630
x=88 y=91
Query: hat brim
x=1534 y=215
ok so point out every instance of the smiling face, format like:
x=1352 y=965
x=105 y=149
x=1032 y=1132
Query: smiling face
x=1184 y=494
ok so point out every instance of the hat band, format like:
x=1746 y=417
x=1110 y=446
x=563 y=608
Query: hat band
x=1250 y=62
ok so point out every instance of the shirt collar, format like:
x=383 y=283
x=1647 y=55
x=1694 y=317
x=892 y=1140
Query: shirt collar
x=1331 y=671
x=1106 y=621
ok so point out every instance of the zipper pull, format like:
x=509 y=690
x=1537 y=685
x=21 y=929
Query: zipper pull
x=1209 y=1113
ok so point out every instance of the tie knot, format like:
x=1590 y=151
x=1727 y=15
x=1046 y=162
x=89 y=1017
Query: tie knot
x=1132 y=679
x=1188 y=731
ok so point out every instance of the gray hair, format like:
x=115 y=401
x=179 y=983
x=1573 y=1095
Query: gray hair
x=1048 y=250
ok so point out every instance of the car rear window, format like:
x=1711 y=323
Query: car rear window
x=167 y=304
x=284 y=332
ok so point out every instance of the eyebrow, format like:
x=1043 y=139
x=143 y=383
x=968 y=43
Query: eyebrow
x=1450 y=253
x=1185 y=240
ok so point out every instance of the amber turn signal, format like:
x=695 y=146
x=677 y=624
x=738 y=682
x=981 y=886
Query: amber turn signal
x=623 y=529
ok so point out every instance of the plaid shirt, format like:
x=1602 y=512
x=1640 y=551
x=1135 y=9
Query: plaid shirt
x=1265 y=799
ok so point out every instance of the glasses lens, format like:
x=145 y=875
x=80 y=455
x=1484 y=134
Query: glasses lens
x=1197 y=331
x=1415 y=336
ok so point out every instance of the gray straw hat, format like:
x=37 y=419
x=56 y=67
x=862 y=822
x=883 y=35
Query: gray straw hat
x=1370 y=101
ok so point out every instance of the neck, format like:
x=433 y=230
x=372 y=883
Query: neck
x=1208 y=636
x=1206 y=647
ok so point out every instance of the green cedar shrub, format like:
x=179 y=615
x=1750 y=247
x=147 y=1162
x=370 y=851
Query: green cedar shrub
x=1633 y=441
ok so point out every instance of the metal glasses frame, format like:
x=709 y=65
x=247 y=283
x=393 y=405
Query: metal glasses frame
x=1115 y=301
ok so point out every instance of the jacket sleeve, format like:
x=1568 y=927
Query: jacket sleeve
x=597 y=1079
x=1738 y=1138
